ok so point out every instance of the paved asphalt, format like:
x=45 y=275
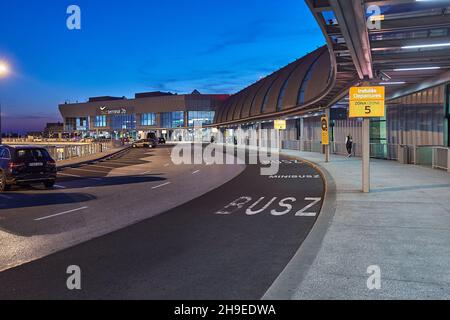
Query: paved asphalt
x=208 y=248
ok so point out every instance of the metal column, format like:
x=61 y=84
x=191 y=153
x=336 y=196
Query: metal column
x=366 y=155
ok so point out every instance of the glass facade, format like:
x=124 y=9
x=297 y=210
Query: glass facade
x=200 y=117
x=77 y=124
x=100 y=121
x=148 y=119
x=123 y=122
x=172 y=119
x=82 y=124
x=71 y=124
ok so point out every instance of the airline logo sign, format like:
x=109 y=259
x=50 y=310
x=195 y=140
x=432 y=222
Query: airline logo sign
x=367 y=102
x=325 y=132
x=280 y=124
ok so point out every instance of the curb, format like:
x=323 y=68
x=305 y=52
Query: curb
x=289 y=280
x=106 y=157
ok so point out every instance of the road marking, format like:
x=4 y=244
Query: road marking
x=69 y=175
x=60 y=214
x=96 y=171
x=129 y=163
x=162 y=185
x=167 y=164
x=97 y=166
x=196 y=171
x=6 y=197
x=117 y=168
x=59 y=187
x=147 y=172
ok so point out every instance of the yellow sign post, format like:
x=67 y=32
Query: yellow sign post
x=280 y=124
x=325 y=132
x=367 y=102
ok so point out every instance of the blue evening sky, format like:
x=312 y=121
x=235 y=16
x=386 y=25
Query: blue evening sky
x=133 y=46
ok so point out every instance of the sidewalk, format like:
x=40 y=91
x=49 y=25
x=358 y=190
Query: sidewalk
x=92 y=157
x=402 y=226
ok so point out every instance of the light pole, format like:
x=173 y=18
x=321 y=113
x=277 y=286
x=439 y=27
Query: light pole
x=4 y=71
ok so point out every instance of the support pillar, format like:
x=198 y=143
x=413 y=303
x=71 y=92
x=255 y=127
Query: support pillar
x=366 y=155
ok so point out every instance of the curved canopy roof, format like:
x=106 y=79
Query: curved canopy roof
x=296 y=85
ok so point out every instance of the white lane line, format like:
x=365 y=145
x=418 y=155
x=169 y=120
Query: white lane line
x=59 y=187
x=97 y=166
x=162 y=185
x=60 y=214
x=196 y=171
x=96 y=171
x=69 y=175
x=167 y=164
x=6 y=197
x=116 y=168
x=126 y=161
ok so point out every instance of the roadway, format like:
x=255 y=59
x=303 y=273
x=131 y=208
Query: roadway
x=94 y=199
x=230 y=242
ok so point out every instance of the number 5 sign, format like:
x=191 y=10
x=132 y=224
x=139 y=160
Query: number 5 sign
x=367 y=102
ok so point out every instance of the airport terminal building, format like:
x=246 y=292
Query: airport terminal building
x=408 y=54
x=170 y=115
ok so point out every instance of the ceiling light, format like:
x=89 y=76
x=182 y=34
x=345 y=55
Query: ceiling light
x=418 y=68
x=419 y=46
x=392 y=83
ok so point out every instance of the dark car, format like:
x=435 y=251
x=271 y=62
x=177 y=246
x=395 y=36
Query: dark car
x=145 y=143
x=21 y=165
x=161 y=140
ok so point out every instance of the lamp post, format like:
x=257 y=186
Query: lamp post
x=4 y=71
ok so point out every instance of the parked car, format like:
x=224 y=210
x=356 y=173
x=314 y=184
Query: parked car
x=144 y=143
x=21 y=165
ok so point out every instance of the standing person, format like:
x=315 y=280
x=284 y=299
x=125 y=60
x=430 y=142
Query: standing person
x=349 y=145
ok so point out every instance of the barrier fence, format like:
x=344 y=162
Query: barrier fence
x=437 y=157
x=64 y=151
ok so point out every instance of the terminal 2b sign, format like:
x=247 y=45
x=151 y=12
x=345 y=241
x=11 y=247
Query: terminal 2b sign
x=107 y=111
x=367 y=102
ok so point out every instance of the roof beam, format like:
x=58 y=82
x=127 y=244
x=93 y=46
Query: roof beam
x=350 y=15
x=422 y=85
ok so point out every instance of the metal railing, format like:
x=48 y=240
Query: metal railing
x=61 y=152
x=440 y=158
x=65 y=152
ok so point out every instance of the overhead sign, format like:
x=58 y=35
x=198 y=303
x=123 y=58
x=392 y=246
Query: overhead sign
x=367 y=102
x=280 y=124
x=325 y=131
x=106 y=111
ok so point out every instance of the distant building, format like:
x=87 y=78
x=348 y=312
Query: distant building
x=53 y=130
x=166 y=114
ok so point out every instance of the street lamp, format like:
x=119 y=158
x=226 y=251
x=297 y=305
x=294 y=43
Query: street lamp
x=4 y=71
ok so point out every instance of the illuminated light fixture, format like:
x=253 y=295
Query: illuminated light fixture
x=418 y=68
x=434 y=45
x=392 y=83
x=377 y=17
x=4 y=69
